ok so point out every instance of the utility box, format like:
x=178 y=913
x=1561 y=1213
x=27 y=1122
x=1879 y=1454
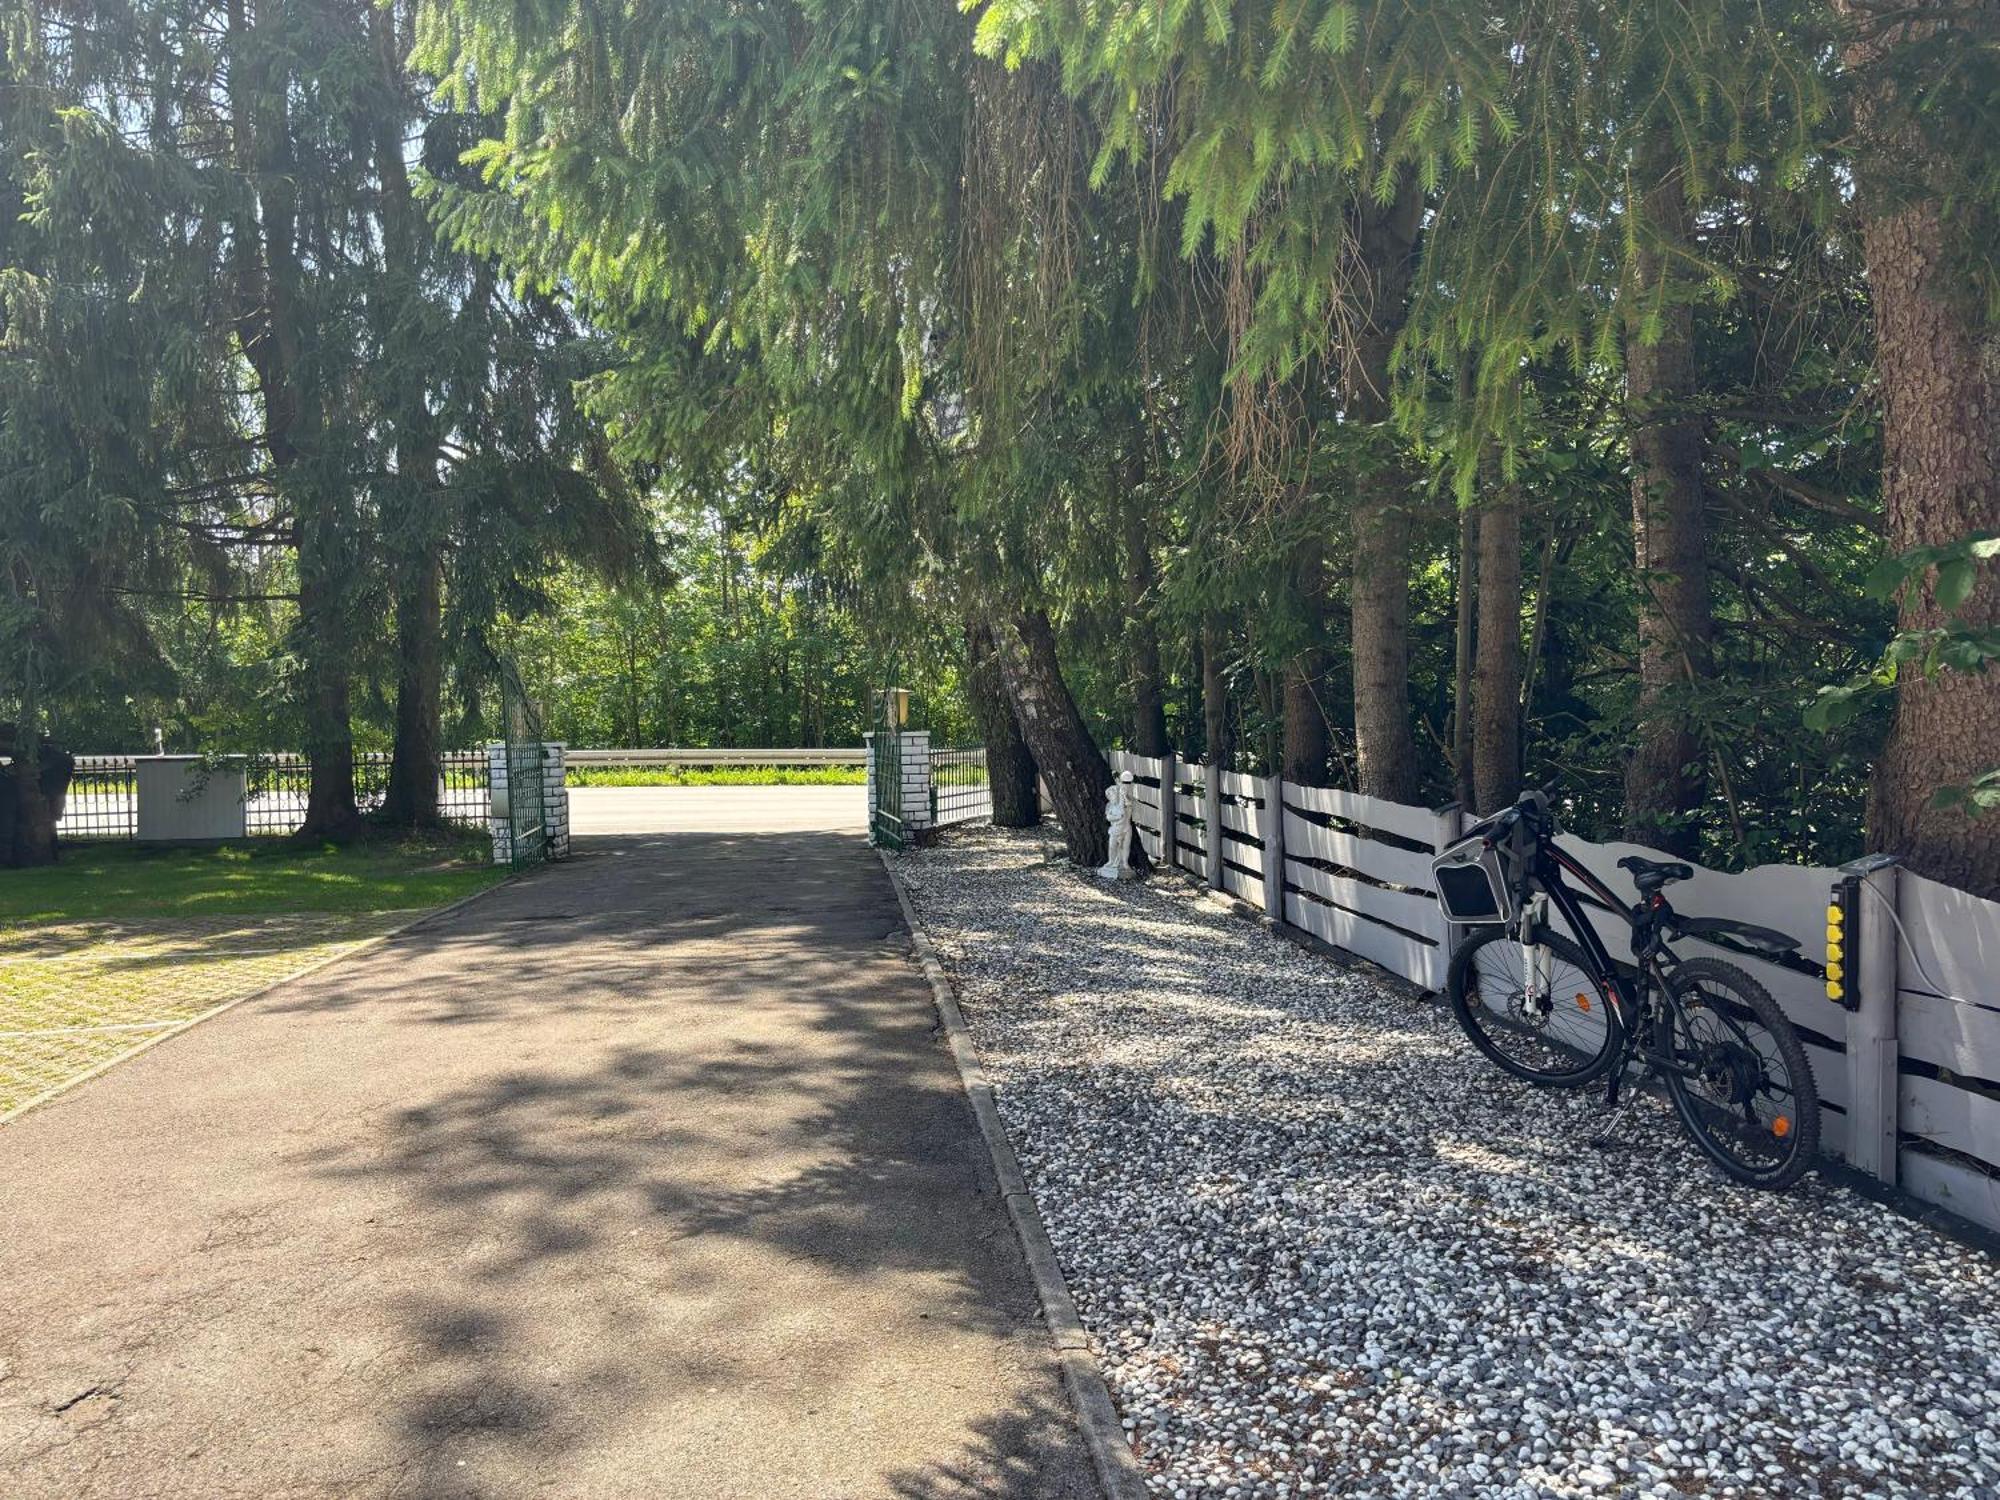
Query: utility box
x=183 y=800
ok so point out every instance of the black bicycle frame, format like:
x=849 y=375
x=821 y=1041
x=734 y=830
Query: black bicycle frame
x=1551 y=863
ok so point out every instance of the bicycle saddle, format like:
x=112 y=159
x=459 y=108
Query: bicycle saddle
x=1650 y=874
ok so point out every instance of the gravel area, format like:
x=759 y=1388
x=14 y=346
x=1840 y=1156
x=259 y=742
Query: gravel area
x=1325 y=1249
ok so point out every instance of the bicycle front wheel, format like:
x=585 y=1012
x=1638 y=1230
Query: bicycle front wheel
x=1536 y=1011
x=1740 y=1076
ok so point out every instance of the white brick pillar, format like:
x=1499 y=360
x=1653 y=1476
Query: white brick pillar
x=915 y=755
x=555 y=799
x=868 y=742
x=496 y=814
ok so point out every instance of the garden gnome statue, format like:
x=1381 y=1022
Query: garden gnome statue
x=1118 y=822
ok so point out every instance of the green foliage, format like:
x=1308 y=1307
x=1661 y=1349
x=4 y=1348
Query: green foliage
x=1949 y=573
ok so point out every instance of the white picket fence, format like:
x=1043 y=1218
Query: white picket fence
x=1909 y=1080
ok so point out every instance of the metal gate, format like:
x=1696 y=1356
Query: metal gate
x=527 y=817
x=527 y=814
x=886 y=829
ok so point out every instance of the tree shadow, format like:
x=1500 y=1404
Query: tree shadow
x=692 y=1146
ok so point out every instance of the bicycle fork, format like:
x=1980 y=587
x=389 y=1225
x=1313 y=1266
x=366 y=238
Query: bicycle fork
x=1537 y=986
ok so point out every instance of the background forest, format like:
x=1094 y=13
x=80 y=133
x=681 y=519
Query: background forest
x=1422 y=397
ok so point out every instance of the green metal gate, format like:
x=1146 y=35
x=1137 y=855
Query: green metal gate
x=885 y=810
x=527 y=814
x=527 y=817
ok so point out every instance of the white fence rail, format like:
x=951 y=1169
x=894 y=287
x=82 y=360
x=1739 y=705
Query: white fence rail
x=1909 y=1078
x=818 y=756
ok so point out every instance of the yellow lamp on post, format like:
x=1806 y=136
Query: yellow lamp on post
x=1840 y=931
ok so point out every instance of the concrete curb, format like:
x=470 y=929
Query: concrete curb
x=1118 y=1474
x=49 y=1096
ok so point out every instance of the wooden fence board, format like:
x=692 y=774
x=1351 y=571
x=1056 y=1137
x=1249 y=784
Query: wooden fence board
x=1969 y=1194
x=1370 y=812
x=1239 y=818
x=1950 y=1116
x=1963 y=1038
x=1372 y=857
x=1398 y=954
x=1249 y=887
x=1954 y=935
x=1236 y=784
x=1418 y=914
x=1138 y=765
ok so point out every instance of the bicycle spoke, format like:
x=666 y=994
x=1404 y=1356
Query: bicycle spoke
x=1547 y=1020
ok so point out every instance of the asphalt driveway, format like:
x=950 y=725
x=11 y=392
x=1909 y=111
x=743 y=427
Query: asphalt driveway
x=642 y=1176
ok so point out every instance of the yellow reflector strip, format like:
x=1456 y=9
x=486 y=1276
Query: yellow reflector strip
x=1834 y=989
x=1833 y=952
x=1834 y=916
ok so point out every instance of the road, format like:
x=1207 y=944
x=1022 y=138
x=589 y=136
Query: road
x=717 y=809
x=641 y=1176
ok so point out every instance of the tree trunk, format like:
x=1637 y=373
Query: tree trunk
x=32 y=788
x=1385 y=748
x=1496 y=694
x=1069 y=760
x=1462 y=649
x=330 y=806
x=1216 y=735
x=411 y=800
x=1306 y=746
x=1142 y=634
x=1010 y=768
x=270 y=316
x=1939 y=361
x=1664 y=779
x=414 y=763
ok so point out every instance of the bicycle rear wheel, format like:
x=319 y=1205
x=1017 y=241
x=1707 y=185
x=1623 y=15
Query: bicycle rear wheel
x=1741 y=1079
x=1554 y=1026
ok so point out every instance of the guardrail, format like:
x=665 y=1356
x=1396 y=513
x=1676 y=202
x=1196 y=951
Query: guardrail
x=817 y=756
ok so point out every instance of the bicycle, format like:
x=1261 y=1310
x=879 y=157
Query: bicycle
x=1561 y=1012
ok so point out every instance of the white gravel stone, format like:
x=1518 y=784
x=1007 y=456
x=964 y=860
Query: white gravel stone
x=1322 y=1248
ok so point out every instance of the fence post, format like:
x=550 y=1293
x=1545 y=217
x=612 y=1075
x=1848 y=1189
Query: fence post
x=1872 y=1051
x=915 y=757
x=1271 y=829
x=555 y=800
x=1170 y=854
x=497 y=822
x=1448 y=828
x=1211 y=819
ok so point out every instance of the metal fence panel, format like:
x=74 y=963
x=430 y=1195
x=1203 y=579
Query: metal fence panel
x=103 y=801
x=960 y=792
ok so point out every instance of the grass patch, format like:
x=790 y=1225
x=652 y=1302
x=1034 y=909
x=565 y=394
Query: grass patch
x=716 y=775
x=100 y=882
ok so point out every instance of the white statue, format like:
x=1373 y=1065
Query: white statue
x=1118 y=824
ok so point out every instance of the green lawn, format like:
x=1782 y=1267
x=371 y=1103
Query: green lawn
x=97 y=882
x=716 y=775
